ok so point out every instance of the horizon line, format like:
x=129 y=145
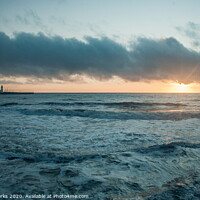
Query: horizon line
x=116 y=92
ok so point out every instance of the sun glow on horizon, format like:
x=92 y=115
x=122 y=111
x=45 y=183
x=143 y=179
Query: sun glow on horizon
x=85 y=84
x=181 y=88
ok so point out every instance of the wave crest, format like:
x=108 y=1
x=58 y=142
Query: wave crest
x=114 y=115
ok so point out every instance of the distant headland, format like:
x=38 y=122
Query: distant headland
x=5 y=92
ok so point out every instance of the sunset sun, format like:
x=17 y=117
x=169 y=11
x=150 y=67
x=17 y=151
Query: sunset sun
x=181 y=88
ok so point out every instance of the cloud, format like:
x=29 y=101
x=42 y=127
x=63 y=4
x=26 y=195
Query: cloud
x=31 y=18
x=40 y=56
x=191 y=30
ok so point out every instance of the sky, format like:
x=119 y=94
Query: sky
x=100 y=45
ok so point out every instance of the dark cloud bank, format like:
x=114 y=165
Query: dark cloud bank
x=146 y=59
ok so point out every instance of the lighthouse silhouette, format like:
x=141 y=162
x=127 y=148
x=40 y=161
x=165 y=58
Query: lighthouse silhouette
x=1 y=91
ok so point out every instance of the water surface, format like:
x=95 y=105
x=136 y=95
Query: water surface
x=107 y=146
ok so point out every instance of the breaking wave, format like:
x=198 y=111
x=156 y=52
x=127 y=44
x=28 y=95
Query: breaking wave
x=144 y=115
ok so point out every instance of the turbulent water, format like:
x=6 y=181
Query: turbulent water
x=106 y=146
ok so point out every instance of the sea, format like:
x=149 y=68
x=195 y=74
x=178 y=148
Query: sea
x=100 y=146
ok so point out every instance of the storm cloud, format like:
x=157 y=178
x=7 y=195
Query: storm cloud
x=102 y=58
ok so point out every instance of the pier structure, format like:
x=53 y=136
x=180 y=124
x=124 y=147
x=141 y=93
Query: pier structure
x=1 y=90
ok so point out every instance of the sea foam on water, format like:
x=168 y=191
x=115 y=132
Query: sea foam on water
x=142 y=146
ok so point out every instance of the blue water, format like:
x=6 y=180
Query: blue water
x=106 y=146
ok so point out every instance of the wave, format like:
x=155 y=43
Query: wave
x=53 y=157
x=9 y=104
x=115 y=104
x=15 y=104
x=114 y=115
x=178 y=188
x=109 y=104
x=65 y=104
x=130 y=104
x=169 y=149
